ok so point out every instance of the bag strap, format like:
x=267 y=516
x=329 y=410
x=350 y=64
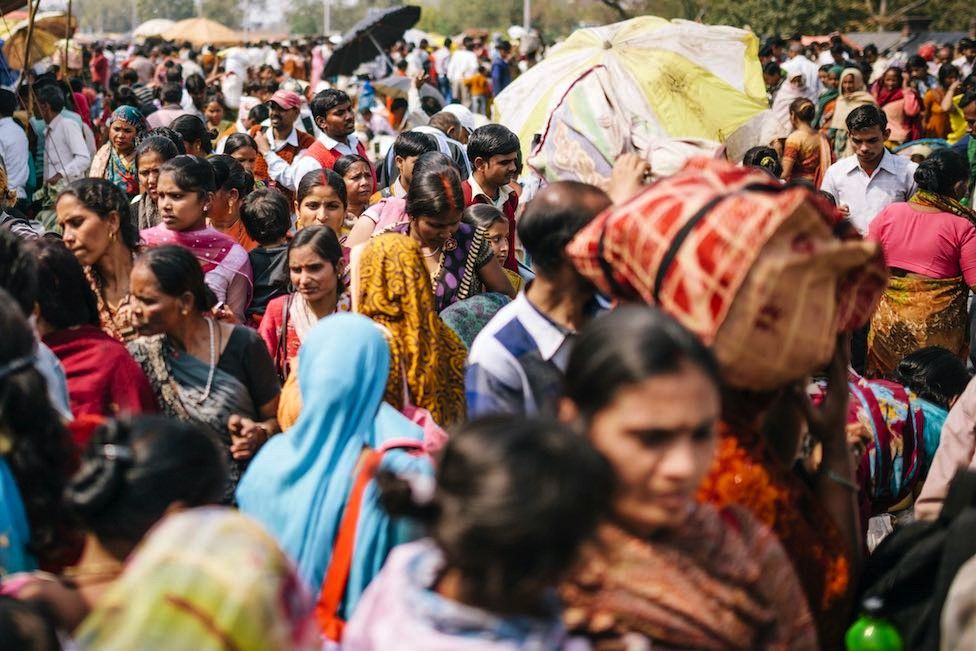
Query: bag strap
x=281 y=348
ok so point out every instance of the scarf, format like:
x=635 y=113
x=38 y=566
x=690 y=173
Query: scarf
x=883 y=94
x=826 y=98
x=301 y=315
x=847 y=102
x=395 y=290
x=148 y=212
x=943 y=203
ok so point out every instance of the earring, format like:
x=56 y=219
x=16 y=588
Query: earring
x=184 y=311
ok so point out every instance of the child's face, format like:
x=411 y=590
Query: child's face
x=498 y=238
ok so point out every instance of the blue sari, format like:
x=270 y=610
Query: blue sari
x=14 y=530
x=298 y=483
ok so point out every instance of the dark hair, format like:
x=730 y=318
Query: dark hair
x=175 y=139
x=554 y=217
x=967 y=99
x=435 y=188
x=870 y=48
x=8 y=103
x=132 y=471
x=160 y=145
x=177 y=272
x=482 y=215
x=239 y=141
x=934 y=374
x=125 y=96
x=866 y=117
x=229 y=174
x=266 y=215
x=346 y=162
x=191 y=174
x=764 y=158
x=326 y=100
x=18 y=270
x=40 y=449
x=27 y=626
x=772 y=69
x=192 y=129
x=940 y=172
x=129 y=76
x=399 y=103
x=322 y=239
x=195 y=83
x=626 y=346
x=259 y=113
x=171 y=93
x=491 y=140
x=52 y=95
x=414 y=143
x=319 y=178
x=64 y=296
x=947 y=70
x=803 y=109
x=514 y=499
x=103 y=198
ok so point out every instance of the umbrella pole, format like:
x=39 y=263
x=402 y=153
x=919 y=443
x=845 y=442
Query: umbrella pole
x=67 y=41
x=30 y=37
x=382 y=52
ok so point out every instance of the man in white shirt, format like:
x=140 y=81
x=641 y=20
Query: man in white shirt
x=66 y=156
x=464 y=63
x=14 y=148
x=873 y=178
x=442 y=59
x=965 y=63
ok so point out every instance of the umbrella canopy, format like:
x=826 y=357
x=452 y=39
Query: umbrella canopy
x=56 y=23
x=202 y=31
x=43 y=45
x=622 y=87
x=369 y=36
x=154 y=27
x=399 y=86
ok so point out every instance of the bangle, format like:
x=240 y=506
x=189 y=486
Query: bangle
x=837 y=479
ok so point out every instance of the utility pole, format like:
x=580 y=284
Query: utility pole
x=526 y=14
x=327 y=10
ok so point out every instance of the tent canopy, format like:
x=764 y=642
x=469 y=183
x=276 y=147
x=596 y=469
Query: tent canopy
x=202 y=31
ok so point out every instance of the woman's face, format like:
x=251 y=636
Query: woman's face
x=154 y=311
x=311 y=275
x=498 y=238
x=149 y=164
x=321 y=206
x=359 y=184
x=847 y=84
x=892 y=80
x=246 y=157
x=180 y=210
x=214 y=113
x=123 y=136
x=225 y=208
x=950 y=80
x=659 y=435
x=434 y=231
x=86 y=234
x=833 y=81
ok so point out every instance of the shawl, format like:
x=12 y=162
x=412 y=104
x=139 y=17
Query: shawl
x=847 y=102
x=298 y=483
x=395 y=291
x=147 y=212
x=881 y=92
x=943 y=203
x=468 y=317
x=718 y=582
x=208 y=579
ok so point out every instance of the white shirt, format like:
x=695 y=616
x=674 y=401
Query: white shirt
x=14 y=150
x=442 y=58
x=291 y=175
x=866 y=196
x=964 y=66
x=65 y=151
x=464 y=63
x=503 y=193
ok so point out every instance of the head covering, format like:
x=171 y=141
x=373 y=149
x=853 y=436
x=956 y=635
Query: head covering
x=132 y=116
x=463 y=114
x=881 y=92
x=395 y=291
x=788 y=93
x=745 y=263
x=826 y=97
x=286 y=99
x=207 y=579
x=468 y=317
x=847 y=102
x=298 y=483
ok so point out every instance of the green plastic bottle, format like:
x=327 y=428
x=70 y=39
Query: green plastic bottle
x=871 y=632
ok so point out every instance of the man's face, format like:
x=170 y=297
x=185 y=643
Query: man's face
x=282 y=119
x=499 y=169
x=339 y=122
x=969 y=112
x=869 y=144
x=944 y=55
x=969 y=53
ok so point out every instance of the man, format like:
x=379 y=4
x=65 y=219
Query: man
x=799 y=64
x=501 y=74
x=407 y=148
x=438 y=127
x=494 y=154
x=194 y=98
x=143 y=92
x=99 y=67
x=143 y=66
x=965 y=63
x=466 y=118
x=442 y=59
x=333 y=114
x=873 y=178
x=14 y=148
x=872 y=58
x=517 y=362
x=464 y=63
x=283 y=138
x=170 y=97
x=66 y=156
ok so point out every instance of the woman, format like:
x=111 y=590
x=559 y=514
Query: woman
x=458 y=257
x=37 y=455
x=756 y=307
x=233 y=185
x=665 y=571
x=391 y=286
x=321 y=200
x=132 y=474
x=807 y=154
x=530 y=493
x=150 y=156
x=930 y=248
x=242 y=148
x=299 y=485
x=116 y=161
x=97 y=226
x=196 y=139
x=495 y=224
x=828 y=98
x=793 y=88
x=186 y=188
x=357 y=173
x=938 y=123
x=315 y=268
x=210 y=580
x=214 y=112
x=103 y=379
x=852 y=95
x=901 y=104
x=213 y=374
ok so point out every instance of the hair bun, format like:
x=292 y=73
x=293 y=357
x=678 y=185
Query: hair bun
x=102 y=473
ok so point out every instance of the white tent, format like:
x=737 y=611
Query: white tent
x=154 y=27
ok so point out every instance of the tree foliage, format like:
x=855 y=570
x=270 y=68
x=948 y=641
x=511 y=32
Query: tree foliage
x=226 y=12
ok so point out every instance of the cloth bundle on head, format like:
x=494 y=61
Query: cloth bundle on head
x=752 y=267
x=208 y=579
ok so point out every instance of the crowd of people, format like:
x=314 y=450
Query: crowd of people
x=266 y=384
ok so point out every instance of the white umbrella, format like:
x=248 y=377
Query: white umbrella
x=154 y=27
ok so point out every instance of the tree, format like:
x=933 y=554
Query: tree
x=225 y=12
x=172 y=9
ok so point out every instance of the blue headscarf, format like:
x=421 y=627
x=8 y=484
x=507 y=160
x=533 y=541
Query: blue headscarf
x=133 y=116
x=298 y=483
x=14 y=530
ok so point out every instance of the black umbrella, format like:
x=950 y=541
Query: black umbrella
x=370 y=36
